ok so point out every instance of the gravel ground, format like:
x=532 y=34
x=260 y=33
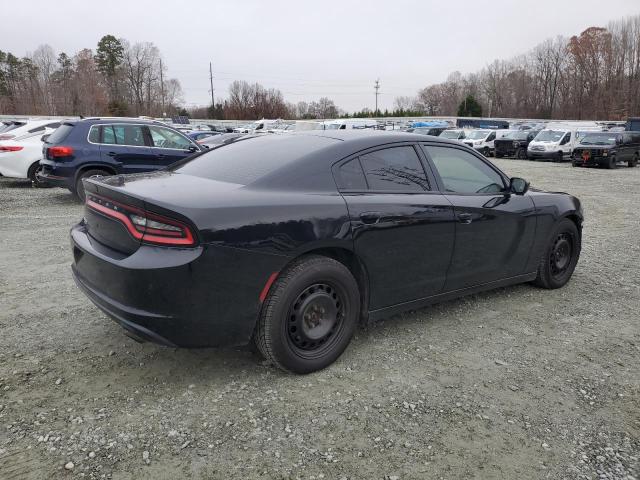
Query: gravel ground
x=514 y=383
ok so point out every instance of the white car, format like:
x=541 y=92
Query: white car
x=29 y=126
x=20 y=157
x=482 y=139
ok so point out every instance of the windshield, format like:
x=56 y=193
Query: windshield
x=478 y=134
x=549 y=136
x=599 y=139
x=450 y=134
x=517 y=135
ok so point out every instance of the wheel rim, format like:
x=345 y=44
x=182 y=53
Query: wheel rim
x=561 y=254
x=315 y=318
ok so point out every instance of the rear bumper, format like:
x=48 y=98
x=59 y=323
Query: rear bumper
x=193 y=297
x=56 y=175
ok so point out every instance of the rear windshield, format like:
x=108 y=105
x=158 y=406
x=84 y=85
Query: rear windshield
x=246 y=161
x=60 y=133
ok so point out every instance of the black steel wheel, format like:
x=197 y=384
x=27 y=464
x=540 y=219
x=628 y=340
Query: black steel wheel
x=486 y=152
x=611 y=163
x=560 y=257
x=309 y=315
x=634 y=161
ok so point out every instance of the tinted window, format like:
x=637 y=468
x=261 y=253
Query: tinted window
x=251 y=158
x=60 y=134
x=165 y=138
x=396 y=168
x=123 y=135
x=463 y=172
x=351 y=176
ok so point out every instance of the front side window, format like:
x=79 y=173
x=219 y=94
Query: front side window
x=165 y=138
x=396 y=168
x=462 y=172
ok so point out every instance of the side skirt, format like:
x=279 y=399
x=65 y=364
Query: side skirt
x=443 y=297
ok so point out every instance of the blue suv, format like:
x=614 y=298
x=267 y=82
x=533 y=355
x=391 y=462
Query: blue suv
x=109 y=146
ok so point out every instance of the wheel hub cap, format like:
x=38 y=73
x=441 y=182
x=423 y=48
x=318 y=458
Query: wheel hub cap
x=316 y=313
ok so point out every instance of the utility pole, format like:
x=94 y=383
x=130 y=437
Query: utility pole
x=162 y=89
x=213 y=104
x=377 y=87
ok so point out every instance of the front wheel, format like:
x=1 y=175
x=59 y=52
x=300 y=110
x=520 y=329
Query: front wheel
x=485 y=151
x=309 y=315
x=560 y=257
x=611 y=163
x=521 y=154
x=633 y=162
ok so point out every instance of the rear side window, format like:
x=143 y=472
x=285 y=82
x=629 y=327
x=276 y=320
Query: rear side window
x=394 y=169
x=123 y=135
x=94 y=134
x=350 y=176
x=61 y=133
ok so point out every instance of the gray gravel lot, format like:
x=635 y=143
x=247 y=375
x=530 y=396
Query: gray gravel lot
x=517 y=383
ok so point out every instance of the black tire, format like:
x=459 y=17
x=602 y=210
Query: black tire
x=521 y=154
x=634 y=161
x=611 y=163
x=559 y=157
x=485 y=151
x=560 y=256
x=32 y=175
x=79 y=191
x=309 y=315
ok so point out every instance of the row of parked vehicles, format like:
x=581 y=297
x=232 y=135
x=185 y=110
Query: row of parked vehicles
x=63 y=153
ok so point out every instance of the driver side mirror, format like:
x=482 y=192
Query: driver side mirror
x=193 y=148
x=518 y=185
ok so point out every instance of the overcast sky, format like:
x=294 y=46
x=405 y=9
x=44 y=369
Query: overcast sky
x=334 y=48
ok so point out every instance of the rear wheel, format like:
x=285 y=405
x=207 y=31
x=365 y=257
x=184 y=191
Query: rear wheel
x=634 y=161
x=309 y=316
x=560 y=257
x=86 y=174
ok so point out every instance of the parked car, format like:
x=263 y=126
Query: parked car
x=29 y=126
x=20 y=157
x=482 y=139
x=349 y=124
x=222 y=139
x=556 y=143
x=290 y=240
x=453 y=134
x=201 y=135
x=435 y=131
x=607 y=149
x=487 y=123
x=514 y=143
x=109 y=146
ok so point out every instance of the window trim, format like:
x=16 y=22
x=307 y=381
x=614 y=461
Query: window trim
x=99 y=125
x=431 y=180
x=440 y=183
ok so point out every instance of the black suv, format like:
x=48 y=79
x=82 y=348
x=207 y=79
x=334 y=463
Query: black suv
x=514 y=143
x=109 y=146
x=607 y=149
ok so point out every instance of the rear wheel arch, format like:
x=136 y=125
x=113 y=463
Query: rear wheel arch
x=93 y=166
x=354 y=264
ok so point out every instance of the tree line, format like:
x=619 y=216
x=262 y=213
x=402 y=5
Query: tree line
x=593 y=75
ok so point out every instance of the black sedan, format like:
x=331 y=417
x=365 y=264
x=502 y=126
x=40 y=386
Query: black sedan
x=290 y=241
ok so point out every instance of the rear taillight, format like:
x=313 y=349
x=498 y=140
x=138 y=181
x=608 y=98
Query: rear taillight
x=59 y=151
x=144 y=226
x=7 y=148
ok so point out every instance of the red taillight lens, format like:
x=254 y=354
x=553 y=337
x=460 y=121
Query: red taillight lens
x=6 y=148
x=144 y=226
x=57 y=152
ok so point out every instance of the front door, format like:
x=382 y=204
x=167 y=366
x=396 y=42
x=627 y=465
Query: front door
x=494 y=229
x=403 y=229
x=169 y=146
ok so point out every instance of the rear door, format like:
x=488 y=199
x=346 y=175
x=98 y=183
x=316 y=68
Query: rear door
x=169 y=146
x=403 y=229
x=125 y=145
x=494 y=229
